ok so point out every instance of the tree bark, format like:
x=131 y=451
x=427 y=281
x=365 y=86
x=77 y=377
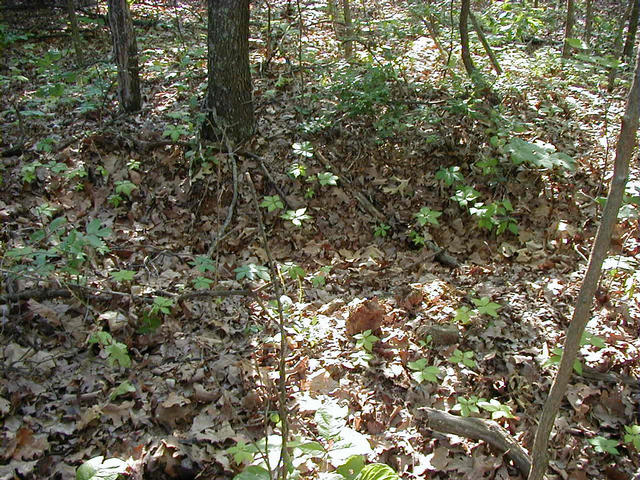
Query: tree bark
x=126 y=51
x=75 y=31
x=568 y=27
x=348 y=26
x=464 y=38
x=632 y=29
x=588 y=21
x=485 y=43
x=229 y=104
x=581 y=315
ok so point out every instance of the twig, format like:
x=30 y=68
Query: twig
x=283 y=463
x=268 y=175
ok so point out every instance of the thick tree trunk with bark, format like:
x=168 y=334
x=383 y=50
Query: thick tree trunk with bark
x=632 y=29
x=229 y=103
x=582 y=313
x=126 y=51
x=568 y=27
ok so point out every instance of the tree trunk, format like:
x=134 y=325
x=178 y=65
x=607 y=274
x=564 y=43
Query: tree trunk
x=581 y=315
x=464 y=38
x=229 y=104
x=630 y=42
x=568 y=27
x=126 y=51
x=588 y=21
x=348 y=27
x=75 y=31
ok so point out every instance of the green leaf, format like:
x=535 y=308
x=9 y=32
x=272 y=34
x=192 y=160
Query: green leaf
x=96 y=469
x=252 y=271
x=202 y=283
x=118 y=353
x=294 y=271
x=450 y=175
x=203 y=264
x=633 y=435
x=122 y=389
x=242 y=453
x=377 y=471
x=348 y=444
x=538 y=155
x=486 y=306
x=162 y=305
x=296 y=216
x=303 y=149
x=426 y=215
x=497 y=409
x=576 y=43
x=464 y=358
x=126 y=187
x=272 y=203
x=463 y=315
x=123 y=275
x=352 y=467
x=604 y=445
x=102 y=338
x=327 y=178
x=253 y=472
x=330 y=419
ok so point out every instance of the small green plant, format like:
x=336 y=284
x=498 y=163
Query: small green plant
x=122 y=389
x=100 y=469
x=366 y=340
x=303 y=149
x=203 y=264
x=604 y=445
x=116 y=352
x=465 y=195
x=463 y=358
x=587 y=339
x=498 y=410
x=174 y=132
x=122 y=275
x=467 y=406
x=327 y=178
x=296 y=217
x=485 y=306
x=417 y=239
x=463 y=315
x=427 y=216
x=320 y=278
x=125 y=187
x=161 y=305
x=633 y=435
x=297 y=170
x=450 y=175
x=251 y=271
x=272 y=203
x=381 y=230
x=495 y=215
x=423 y=372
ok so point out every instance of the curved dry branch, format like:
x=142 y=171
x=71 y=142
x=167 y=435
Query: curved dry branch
x=478 y=429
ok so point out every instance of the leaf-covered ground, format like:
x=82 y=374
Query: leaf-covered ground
x=386 y=153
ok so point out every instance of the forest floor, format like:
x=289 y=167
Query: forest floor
x=376 y=322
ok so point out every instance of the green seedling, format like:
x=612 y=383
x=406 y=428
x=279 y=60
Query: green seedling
x=423 y=372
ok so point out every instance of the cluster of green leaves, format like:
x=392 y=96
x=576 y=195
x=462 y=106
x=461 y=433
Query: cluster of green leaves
x=56 y=246
x=484 y=306
x=337 y=446
x=610 y=446
x=472 y=404
x=365 y=342
x=253 y=272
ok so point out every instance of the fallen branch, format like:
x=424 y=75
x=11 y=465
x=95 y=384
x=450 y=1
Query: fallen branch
x=40 y=294
x=478 y=429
